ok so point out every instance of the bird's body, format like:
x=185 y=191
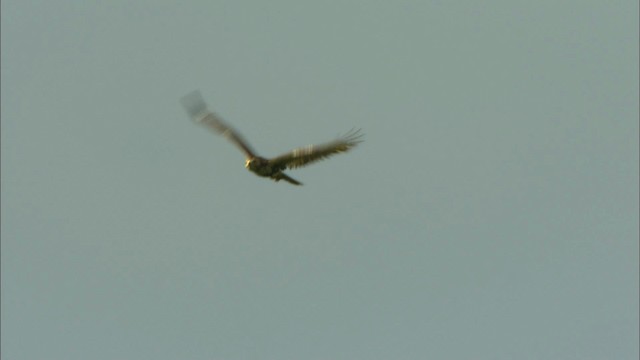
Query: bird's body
x=271 y=168
x=262 y=167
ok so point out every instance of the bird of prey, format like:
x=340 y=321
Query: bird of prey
x=272 y=168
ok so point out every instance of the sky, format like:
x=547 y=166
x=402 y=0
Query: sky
x=491 y=212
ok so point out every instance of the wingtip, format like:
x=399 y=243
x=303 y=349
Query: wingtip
x=353 y=136
x=194 y=104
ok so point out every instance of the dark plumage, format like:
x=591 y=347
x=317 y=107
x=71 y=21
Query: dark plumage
x=272 y=168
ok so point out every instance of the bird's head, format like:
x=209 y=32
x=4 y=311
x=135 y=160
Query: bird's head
x=249 y=163
x=257 y=164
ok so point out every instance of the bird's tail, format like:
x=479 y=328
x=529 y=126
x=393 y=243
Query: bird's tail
x=288 y=179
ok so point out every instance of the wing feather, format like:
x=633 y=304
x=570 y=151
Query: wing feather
x=305 y=155
x=198 y=111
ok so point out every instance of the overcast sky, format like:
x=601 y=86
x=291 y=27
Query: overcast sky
x=491 y=213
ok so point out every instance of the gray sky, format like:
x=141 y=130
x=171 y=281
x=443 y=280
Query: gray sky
x=491 y=213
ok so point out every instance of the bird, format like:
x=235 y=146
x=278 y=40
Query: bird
x=272 y=168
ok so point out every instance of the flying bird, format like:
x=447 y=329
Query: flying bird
x=272 y=168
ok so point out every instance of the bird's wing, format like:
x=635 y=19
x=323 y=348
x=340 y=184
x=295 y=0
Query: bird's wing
x=198 y=111
x=306 y=155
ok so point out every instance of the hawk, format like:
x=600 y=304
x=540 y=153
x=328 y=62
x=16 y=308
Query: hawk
x=272 y=168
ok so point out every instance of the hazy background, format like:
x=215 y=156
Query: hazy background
x=491 y=213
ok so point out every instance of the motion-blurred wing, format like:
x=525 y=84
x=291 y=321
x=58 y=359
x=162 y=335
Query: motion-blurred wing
x=306 y=155
x=198 y=111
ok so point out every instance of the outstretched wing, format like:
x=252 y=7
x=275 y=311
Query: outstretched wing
x=198 y=111
x=306 y=155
